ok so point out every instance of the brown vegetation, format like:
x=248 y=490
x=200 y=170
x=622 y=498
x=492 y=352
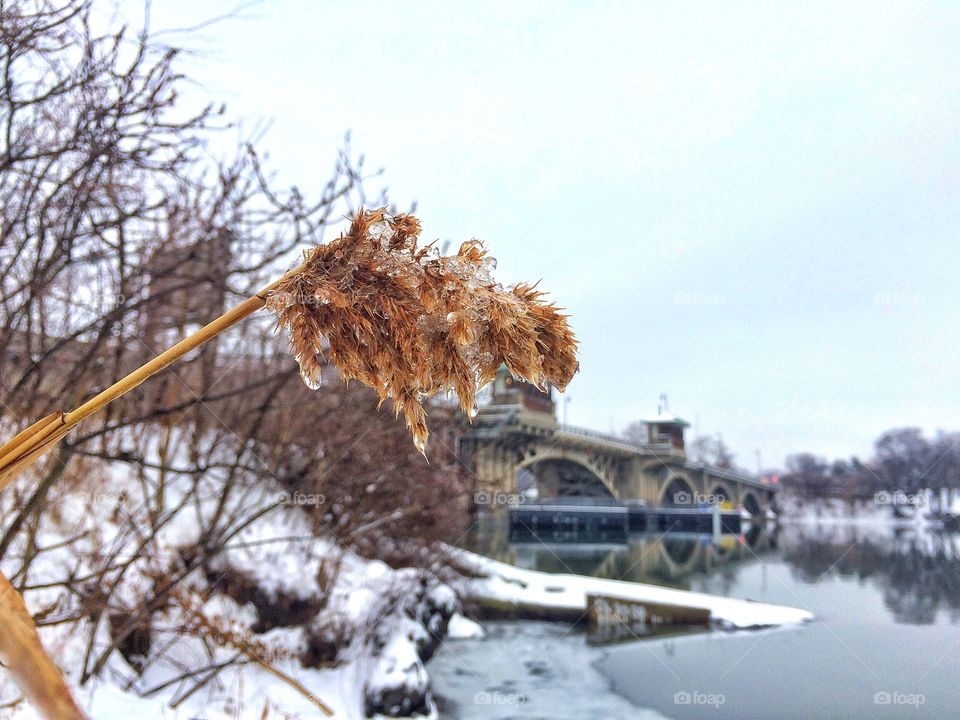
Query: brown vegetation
x=409 y=323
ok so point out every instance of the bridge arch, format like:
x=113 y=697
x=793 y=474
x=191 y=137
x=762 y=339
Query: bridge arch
x=558 y=474
x=677 y=490
x=721 y=492
x=751 y=503
x=680 y=555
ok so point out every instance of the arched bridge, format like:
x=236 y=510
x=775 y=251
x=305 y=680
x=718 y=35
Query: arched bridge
x=515 y=444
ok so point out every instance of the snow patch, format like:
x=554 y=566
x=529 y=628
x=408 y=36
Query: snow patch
x=462 y=628
x=506 y=583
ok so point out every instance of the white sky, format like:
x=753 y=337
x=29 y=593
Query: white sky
x=749 y=206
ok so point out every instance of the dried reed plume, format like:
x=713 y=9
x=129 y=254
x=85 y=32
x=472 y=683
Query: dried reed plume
x=411 y=323
x=404 y=320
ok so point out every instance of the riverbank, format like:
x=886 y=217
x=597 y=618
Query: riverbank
x=280 y=622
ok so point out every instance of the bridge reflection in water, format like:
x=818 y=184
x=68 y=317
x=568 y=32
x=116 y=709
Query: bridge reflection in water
x=917 y=571
x=667 y=559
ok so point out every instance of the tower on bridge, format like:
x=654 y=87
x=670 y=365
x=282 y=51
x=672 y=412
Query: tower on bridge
x=665 y=427
x=508 y=390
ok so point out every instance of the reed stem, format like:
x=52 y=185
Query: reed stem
x=164 y=359
x=28 y=446
x=21 y=651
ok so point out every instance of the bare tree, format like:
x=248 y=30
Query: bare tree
x=712 y=450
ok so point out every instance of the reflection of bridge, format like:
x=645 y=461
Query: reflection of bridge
x=516 y=445
x=659 y=558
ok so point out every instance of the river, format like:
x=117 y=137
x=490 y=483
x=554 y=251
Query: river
x=886 y=642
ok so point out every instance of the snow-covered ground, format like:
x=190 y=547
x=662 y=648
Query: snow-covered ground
x=387 y=605
x=299 y=620
x=505 y=583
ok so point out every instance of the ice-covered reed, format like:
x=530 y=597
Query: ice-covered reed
x=411 y=323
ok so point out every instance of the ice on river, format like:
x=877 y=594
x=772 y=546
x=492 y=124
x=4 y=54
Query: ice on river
x=526 y=670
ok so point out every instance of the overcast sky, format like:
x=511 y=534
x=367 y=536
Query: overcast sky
x=751 y=207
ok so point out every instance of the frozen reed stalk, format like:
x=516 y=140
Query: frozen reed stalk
x=400 y=318
x=24 y=658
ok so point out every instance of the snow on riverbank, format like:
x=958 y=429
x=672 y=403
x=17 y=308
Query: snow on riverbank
x=274 y=620
x=399 y=619
x=505 y=584
x=392 y=620
x=461 y=628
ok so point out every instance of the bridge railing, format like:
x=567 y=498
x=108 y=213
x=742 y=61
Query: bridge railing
x=724 y=474
x=652 y=448
x=503 y=415
x=665 y=449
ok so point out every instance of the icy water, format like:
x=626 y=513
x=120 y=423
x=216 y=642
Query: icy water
x=886 y=642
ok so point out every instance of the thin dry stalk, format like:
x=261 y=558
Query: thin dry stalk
x=215 y=628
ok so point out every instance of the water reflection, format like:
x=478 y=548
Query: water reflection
x=917 y=571
x=670 y=560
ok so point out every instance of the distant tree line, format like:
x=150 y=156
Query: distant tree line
x=904 y=462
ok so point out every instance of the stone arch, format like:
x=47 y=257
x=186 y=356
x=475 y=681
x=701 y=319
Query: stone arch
x=752 y=504
x=565 y=475
x=721 y=491
x=677 y=489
